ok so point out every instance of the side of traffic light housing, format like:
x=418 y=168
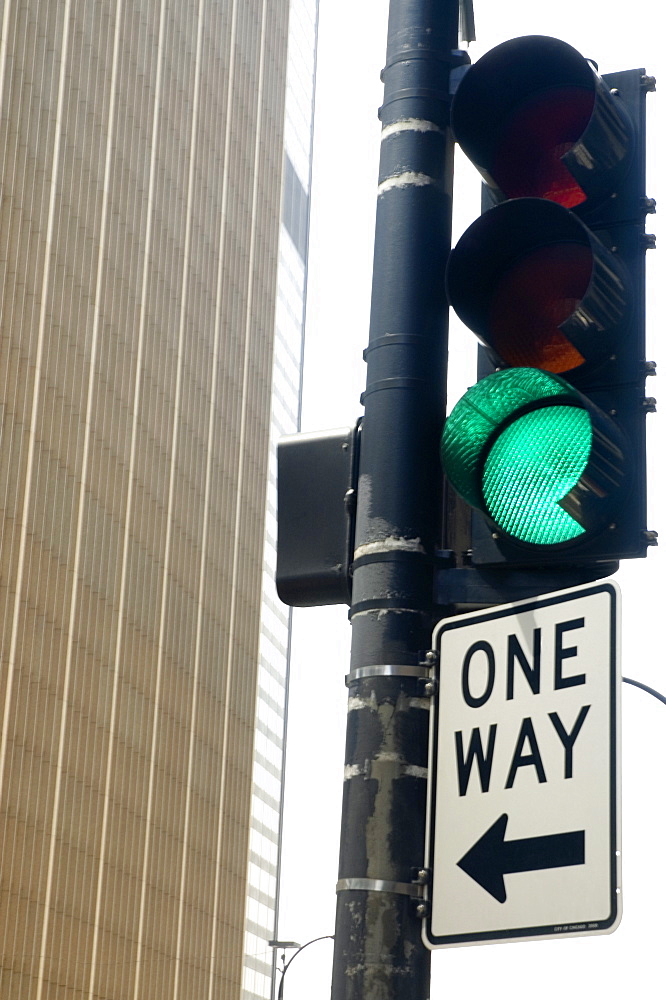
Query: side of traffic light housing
x=550 y=447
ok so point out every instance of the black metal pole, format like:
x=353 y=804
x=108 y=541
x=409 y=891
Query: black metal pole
x=378 y=950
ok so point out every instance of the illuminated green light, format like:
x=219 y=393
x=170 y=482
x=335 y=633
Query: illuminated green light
x=535 y=463
x=518 y=446
x=482 y=411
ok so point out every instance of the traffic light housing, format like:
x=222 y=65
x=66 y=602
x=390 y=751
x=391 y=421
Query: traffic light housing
x=317 y=476
x=548 y=447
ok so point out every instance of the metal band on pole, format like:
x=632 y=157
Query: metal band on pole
x=387 y=670
x=411 y=889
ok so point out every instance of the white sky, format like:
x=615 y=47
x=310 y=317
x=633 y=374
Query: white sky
x=352 y=42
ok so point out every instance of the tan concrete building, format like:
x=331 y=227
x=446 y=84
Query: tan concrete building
x=143 y=247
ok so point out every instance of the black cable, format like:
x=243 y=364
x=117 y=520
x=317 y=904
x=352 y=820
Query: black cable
x=644 y=687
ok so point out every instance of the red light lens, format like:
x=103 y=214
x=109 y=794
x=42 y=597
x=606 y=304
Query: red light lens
x=528 y=161
x=534 y=296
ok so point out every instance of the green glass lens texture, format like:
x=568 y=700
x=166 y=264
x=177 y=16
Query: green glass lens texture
x=533 y=465
x=480 y=413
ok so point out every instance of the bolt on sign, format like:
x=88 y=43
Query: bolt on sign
x=523 y=800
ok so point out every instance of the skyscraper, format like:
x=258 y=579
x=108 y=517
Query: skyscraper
x=272 y=679
x=148 y=266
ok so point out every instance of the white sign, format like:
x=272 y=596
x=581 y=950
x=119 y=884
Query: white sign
x=523 y=798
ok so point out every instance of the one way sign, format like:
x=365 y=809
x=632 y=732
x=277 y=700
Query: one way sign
x=523 y=797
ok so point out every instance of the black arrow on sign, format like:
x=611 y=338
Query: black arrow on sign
x=493 y=857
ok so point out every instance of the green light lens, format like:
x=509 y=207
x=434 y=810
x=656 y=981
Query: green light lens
x=533 y=465
x=480 y=413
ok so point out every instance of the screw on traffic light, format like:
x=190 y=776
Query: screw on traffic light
x=549 y=446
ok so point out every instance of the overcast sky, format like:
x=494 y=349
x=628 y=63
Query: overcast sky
x=352 y=43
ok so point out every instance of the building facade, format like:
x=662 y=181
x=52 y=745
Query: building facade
x=273 y=677
x=149 y=265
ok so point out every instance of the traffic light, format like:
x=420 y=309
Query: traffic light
x=549 y=445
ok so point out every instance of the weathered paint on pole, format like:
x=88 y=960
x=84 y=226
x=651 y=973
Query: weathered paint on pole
x=379 y=954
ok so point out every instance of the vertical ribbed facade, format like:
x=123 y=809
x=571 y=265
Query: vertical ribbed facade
x=263 y=870
x=142 y=157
